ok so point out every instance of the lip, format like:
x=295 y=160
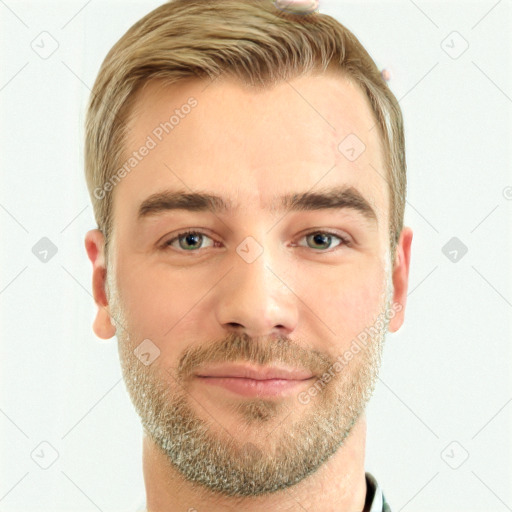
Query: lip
x=250 y=381
x=253 y=372
x=253 y=387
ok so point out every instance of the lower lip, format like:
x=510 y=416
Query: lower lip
x=253 y=387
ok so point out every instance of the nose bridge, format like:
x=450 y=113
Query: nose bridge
x=253 y=296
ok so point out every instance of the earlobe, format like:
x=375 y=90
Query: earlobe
x=94 y=245
x=401 y=278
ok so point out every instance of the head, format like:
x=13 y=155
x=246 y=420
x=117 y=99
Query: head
x=271 y=139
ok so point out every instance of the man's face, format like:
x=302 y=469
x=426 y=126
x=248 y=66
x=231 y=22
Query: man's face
x=254 y=285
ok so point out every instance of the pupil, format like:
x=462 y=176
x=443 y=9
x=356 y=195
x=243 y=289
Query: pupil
x=320 y=236
x=191 y=238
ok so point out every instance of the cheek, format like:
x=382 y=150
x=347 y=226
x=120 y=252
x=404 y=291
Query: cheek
x=348 y=299
x=156 y=301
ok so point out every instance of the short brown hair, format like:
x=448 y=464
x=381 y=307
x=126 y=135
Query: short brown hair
x=249 y=39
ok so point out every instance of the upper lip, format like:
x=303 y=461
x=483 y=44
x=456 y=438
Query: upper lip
x=254 y=372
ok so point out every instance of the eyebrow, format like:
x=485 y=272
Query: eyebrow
x=336 y=198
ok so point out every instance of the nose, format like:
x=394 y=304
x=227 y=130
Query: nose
x=256 y=299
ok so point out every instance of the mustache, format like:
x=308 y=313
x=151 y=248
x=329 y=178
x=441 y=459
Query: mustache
x=238 y=347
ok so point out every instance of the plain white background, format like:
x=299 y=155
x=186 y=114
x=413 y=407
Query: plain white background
x=439 y=423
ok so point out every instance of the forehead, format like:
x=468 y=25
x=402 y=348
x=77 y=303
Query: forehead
x=253 y=144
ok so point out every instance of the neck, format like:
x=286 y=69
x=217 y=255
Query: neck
x=339 y=484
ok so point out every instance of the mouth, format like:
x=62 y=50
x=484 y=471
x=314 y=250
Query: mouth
x=253 y=387
x=254 y=381
x=247 y=371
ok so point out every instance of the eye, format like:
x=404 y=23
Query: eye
x=323 y=240
x=192 y=241
x=189 y=241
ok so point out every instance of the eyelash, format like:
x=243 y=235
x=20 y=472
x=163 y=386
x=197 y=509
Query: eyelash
x=344 y=240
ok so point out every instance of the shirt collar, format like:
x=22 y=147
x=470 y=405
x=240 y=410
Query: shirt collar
x=374 y=495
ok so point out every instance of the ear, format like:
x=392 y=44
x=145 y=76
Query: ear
x=95 y=244
x=401 y=277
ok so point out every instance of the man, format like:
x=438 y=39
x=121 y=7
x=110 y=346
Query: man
x=246 y=167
